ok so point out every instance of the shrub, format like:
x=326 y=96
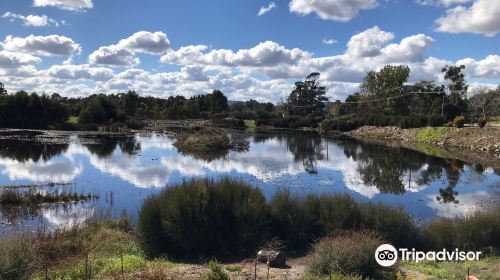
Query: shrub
x=229 y=123
x=134 y=123
x=18 y=259
x=478 y=231
x=435 y=120
x=204 y=218
x=348 y=253
x=459 y=121
x=216 y=272
x=482 y=122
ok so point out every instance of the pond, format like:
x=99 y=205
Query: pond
x=125 y=170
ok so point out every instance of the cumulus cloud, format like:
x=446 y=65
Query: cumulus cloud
x=264 y=10
x=480 y=18
x=488 y=67
x=264 y=54
x=368 y=42
x=78 y=72
x=32 y=20
x=146 y=42
x=337 y=10
x=113 y=55
x=42 y=45
x=123 y=53
x=70 y=5
x=13 y=60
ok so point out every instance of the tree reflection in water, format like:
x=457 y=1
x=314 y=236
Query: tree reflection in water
x=106 y=145
x=23 y=151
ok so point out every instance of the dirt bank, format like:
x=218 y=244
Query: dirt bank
x=483 y=140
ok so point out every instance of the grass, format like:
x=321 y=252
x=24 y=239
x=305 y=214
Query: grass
x=430 y=134
x=33 y=198
x=483 y=269
x=73 y=120
x=250 y=125
x=205 y=143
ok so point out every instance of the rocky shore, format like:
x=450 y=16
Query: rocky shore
x=486 y=140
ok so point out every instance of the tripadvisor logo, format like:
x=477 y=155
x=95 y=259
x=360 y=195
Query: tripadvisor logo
x=387 y=255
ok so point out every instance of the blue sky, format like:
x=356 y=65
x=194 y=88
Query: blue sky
x=163 y=48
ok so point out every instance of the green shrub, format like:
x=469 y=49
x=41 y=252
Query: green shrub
x=229 y=123
x=204 y=218
x=478 y=231
x=435 y=120
x=348 y=254
x=216 y=272
x=134 y=123
x=482 y=122
x=18 y=259
x=459 y=121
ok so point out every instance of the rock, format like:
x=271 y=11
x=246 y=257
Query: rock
x=276 y=258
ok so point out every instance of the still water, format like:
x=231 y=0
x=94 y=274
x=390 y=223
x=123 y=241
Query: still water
x=124 y=171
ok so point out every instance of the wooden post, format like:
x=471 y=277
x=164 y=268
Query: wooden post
x=255 y=268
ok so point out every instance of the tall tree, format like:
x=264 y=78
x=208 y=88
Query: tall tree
x=218 y=102
x=386 y=85
x=457 y=87
x=308 y=97
x=3 y=91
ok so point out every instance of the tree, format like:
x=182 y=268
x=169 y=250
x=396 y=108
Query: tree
x=386 y=84
x=308 y=97
x=484 y=102
x=3 y=91
x=218 y=102
x=457 y=87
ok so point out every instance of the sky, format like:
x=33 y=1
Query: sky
x=248 y=49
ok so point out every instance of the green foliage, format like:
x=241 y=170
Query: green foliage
x=459 y=121
x=134 y=123
x=308 y=97
x=477 y=231
x=229 y=123
x=386 y=83
x=204 y=218
x=348 y=253
x=482 y=122
x=30 y=111
x=430 y=134
x=18 y=259
x=232 y=218
x=216 y=272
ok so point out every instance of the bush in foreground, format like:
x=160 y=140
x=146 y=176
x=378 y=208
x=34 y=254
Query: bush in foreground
x=229 y=218
x=204 y=218
x=478 y=231
x=348 y=253
x=18 y=259
x=459 y=121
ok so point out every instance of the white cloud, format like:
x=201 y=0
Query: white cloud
x=329 y=41
x=70 y=5
x=368 y=42
x=42 y=45
x=488 y=67
x=123 y=53
x=264 y=54
x=13 y=60
x=445 y=3
x=483 y=17
x=337 y=10
x=32 y=20
x=78 y=72
x=146 y=42
x=113 y=55
x=264 y=10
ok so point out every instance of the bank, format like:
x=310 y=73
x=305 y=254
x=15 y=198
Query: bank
x=483 y=140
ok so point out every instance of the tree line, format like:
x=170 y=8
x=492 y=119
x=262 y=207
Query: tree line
x=385 y=98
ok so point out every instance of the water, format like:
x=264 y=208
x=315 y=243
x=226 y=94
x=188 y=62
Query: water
x=124 y=171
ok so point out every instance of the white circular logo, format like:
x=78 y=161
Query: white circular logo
x=386 y=255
